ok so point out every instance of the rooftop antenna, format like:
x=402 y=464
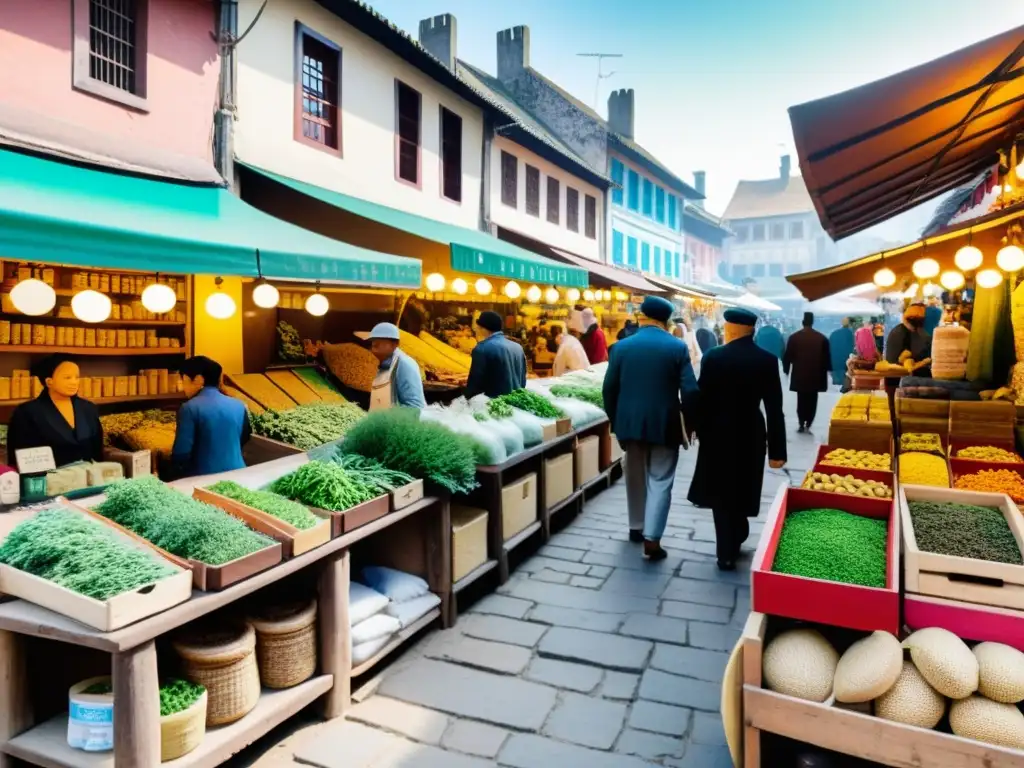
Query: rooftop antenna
x=601 y=75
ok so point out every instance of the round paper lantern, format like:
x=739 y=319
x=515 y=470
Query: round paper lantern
x=483 y=286
x=91 y=306
x=551 y=295
x=885 y=278
x=265 y=295
x=512 y=289
x=317 y=305
x=159 y=298
x=1010 y=258
x=925 y=269
x=33 y=297
x=219 y=305
x=533 y=294
x=435 y=282
x=952 y=280
x=989 y=278
x=573 y=294
x=968 y=258
x=460 y=286
x=588 y=295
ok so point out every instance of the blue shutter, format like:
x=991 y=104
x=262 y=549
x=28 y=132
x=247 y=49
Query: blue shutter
x=672 y=210
x=678 y=271
x=648 y=198
x=657 y=260
x=659 y=205
x=617 y=254
x=645 y=257
x=633 y=190
x=631 y=251
x=618 y=176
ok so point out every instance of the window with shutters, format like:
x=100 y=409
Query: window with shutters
x=796 y=230
x=533 y=191
x=618 y=257
x=645 y=257
x=572 y=209
x=509 y=180
x=659 y=205
x=451 y=155
x=631 y=249
x=317 y=91
x=590 y=217
x=758 y=232
x=554 y=194
x=110 y=47
x=648 y=198
x=407 y=133
x=633 y=190
x=619 y=177
x=657 y=259
x=778 y=232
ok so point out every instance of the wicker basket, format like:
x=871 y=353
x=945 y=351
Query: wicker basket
x=183 y=731
x=286 y=643
x=222 y=658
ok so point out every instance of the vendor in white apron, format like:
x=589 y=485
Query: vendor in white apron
x=398 y=380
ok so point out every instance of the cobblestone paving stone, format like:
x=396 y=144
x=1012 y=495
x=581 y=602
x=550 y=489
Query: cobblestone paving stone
x=587 y=657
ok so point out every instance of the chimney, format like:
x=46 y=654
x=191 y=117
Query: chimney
x=620 y=112
x=699 y=184
x=513 y=52
x=784 y=168
x=439 y=36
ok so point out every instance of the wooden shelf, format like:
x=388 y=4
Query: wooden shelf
x=477 y=573
x=522 y=536
x=47 y=744
x=421 y=623
x=41 y=349
x=110 y=400
x=567 y=501
x=16 y=317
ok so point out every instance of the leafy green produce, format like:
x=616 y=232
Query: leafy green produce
x=80 y=554
x=963 y=530
x=326 y=485
x=372 y=473
x=426 y=450
x=528 y=401
x=289 y=345
x=178 y=523
x=284 y=509
x=590 y=395
x=178 y=695
x=499 y=409
x=99 y=689
x=833 y=545
x=308 y=426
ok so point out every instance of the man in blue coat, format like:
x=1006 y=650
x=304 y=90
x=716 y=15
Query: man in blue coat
x=649 y=394
x=499 y=364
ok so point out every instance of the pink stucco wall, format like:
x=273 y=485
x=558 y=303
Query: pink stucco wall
x=183 y=70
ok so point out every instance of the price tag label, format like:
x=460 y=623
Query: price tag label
x=142 y=463
x=35 y=460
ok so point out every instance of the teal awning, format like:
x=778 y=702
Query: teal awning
x=65 y=214
x=471 y=250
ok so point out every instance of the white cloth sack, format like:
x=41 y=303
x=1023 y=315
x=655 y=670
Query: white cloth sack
x=399 y=587
x=380 y=625
x=364 y=602
x=364 y=651
x=410 y=611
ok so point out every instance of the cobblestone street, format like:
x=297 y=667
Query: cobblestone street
x=589 y=656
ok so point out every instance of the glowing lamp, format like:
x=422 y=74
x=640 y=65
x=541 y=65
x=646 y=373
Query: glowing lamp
x=968 y=258
x=989 y=278
x=435 y=282
x=512 y=289
x=551 y=295
x=952 y=280
x=588 y=295
x=533 y=294
x=33 y=297
x=317 y=305
x=885 y=278
x=265 y=296
x=91 y=306
x=925 y=269
x=220 y=306
x=159 y=298
x=460 y=286
x=483 y=286
x=573 y=294
x=1010 y=258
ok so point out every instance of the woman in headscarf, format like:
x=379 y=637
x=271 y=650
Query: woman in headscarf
x=594 y=342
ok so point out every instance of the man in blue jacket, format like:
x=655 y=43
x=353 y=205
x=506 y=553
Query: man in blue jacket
x=499 y=364
x=649 y=393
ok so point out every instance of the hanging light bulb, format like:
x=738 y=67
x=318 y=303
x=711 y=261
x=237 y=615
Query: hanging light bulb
x=931 y=290
x=1010 y=258
x=317 y=304
x=989 y=278
x=483 y=286
x=551 y=295
x=885 y=278
x=512 y=289
x=968 y=258
x=159 y=298
x=33 y=297
x=607 y=295
x=91 y=306
x=925 y=269
x=588 y=295
x=219 y=305
x=533 y=294
x=265 y=296
x=952 y=280
x=460 y=286
x=435 y=282
x=573 y=294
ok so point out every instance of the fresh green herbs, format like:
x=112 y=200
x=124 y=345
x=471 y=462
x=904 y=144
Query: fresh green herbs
x=528 y=401
x=99 y=689
x=178 y=695
x=372 y=473
x=590 y=395
x=284 y=509
x=426 y=450
x=833 y=545
x=308 y=426
x=962 y=530
x=289 y=344
x=80 y=554
x=325 y=485
x=499 y=409
x=178 y=523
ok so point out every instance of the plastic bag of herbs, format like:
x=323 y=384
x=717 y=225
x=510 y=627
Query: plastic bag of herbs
x=488 y=446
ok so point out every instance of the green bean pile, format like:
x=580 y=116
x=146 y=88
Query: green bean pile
x=178 y=695
x=372 y=473
x=833 y=545
x=528 y=401
x=325 y=485
x=291 y=512
x=964 y=530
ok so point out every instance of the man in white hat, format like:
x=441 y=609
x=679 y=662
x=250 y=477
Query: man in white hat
x=398 y=380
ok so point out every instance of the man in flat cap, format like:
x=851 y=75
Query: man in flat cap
x=499 y=364
x=398 y=380
x=649 y=393
x=807 y=361
x=736 y=379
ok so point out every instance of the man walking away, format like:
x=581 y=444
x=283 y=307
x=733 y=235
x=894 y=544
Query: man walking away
x=649 y=394
x=736 y=379
x=807 y=354
x=499 y=364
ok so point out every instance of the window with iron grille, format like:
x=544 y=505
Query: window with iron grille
x=590 y=217
x=407 y=133
x=509 y=179
x=109 y=40
x=532 y=190
x=451 y=155
x=554 y=214
x=318 y=91
x=572 y=209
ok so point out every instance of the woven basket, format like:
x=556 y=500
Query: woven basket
x=286 y=643
x=222 y=658
x=183 y=731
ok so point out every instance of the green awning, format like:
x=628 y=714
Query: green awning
x=65 y=214
x=471 y=250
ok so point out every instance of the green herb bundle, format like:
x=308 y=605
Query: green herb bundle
x=289 y=344
x=372 y=473
x=528 y=401
x=833 y=545
x=80 y=554
x=308 y=426
x=178 y=523
x=590 y=395
x=326 y=485
x=499 y=409
x=178 y=695
x=426 y=450
x=963 y=530
x=291 y=512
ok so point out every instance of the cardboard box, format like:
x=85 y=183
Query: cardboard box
x=550 y=432
x=135 y=463
x=587 y=459
x=469 y=540
x=616 y=450
x=558 y=479
x=518 y=506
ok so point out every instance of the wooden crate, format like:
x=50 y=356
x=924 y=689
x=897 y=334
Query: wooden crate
x=957 y=444
x=825 y=450
x=874 y=436
x=406 y=495
x=960 y=467
x=922 y=407
x=961 y=578
x=354 y=517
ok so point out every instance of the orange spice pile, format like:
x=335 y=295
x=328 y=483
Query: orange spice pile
x=994 y=481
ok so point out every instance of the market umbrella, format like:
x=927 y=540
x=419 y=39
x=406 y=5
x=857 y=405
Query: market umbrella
x=750 y=301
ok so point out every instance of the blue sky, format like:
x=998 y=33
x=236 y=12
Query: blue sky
x=713 y=78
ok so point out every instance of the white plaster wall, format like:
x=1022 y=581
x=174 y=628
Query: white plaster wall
x=538 y=227
x=266 y=107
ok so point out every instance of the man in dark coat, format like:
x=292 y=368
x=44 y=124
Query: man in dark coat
x=807 y=354
x=736 y=379
x=499 y=364
x=649 y=392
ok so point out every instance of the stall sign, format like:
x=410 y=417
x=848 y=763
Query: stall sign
x=35 y=460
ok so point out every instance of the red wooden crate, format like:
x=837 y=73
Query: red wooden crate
x=958 y=444
x=817 y=600
x=824 y=450
x=960 y=467
x=966 y=620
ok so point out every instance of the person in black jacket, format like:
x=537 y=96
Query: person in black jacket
x=808 y=355
x=735 y=380
x=499 y=364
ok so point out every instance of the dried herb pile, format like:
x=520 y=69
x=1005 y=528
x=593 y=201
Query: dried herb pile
x=178 y=523
x=80 y=554
x=592 y=395
x=178 y=695
x=528 y=401
x=291 y=512
x=964 y=530
x=323 y=484
x=833 y=545
x=308 y=426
